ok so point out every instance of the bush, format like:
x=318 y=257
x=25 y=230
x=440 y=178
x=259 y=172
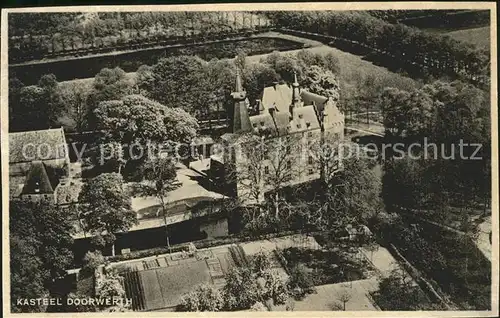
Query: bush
x=92 y=260
x=261 y=262
x=258 y=306
x=203 y=298
x=300 y=282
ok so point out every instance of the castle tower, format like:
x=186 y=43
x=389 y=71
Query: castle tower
x=295 y=94
x=240 y=120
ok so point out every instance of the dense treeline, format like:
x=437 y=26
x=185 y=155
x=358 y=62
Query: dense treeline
x=440 y=55
x=435 y=18
x=439 y=118
x=443 y=174
x=33 y=36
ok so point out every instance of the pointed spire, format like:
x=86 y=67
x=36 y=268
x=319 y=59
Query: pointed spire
x=239 y=93
x=295 y=82
x=240 y=119
x=295 y=90
x=239 y=87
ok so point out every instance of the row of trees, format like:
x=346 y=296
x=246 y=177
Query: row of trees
x=440 y=54
x=68 y=32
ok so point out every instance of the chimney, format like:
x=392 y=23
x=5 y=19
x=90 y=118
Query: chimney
x=272 y=111
x=258 y=106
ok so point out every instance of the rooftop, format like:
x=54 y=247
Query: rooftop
x=25 y=146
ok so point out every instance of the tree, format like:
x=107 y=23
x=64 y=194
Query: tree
x=203 y=298
x=27 y=275
x=105 y=207
x=76 y=114
x=256 y=76
x=397 y=292
x=160 y=175
x=178 y=82
x=283 y=164
x=135 y=122
x=344 y=296
x=322 y=82
x=241 y=290
x=40 y=249
x=92 y=260
x=15 y=86
x=258 y=306
x=300 y=282
x=110 y=286
x=274 y=287
x=261 y=263
x=110 y=84
x=39 y=106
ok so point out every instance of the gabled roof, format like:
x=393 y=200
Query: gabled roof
x=263 y=124
x=279 y=95
x=24 y=146
x=304 y=119
x=38 y=178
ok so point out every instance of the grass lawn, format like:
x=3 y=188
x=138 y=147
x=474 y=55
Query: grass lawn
x=327 y=267
x=480 y=37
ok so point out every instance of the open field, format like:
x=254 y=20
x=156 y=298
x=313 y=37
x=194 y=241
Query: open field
x=480 y=37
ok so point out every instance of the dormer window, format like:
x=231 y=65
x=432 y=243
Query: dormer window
x=300 y=116
x=37 y=187
x=298 y=126
x=254 y=125
x=308 y=124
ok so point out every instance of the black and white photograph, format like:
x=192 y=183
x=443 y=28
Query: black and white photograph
x=313 y=158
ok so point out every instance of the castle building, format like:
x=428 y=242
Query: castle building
x=40 y=168
x=275 y=142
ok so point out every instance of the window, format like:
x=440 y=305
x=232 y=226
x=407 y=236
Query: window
x=308 y=124
x=289 y=164
x=311 y=171
x=310 y=160
x=310 y=134
x=266 y=170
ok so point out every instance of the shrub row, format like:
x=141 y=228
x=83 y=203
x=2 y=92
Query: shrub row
x=207 y=243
